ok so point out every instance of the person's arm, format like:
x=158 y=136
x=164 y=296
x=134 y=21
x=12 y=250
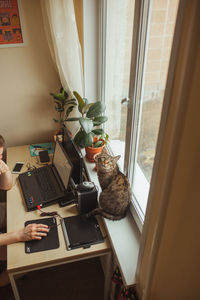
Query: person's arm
x=6 y=179
x=30 y=232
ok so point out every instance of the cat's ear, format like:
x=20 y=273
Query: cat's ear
x=96 y=157
x=104 y=151
x=116 y=158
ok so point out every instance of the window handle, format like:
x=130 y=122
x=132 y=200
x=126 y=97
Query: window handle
x=125 y=101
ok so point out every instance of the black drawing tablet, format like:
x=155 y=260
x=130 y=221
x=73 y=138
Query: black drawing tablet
x=48 y=242
x=81 y=232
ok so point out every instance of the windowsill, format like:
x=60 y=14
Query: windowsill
x=124 y=236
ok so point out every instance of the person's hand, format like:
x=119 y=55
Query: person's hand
x=33 y=232
x=3 y=167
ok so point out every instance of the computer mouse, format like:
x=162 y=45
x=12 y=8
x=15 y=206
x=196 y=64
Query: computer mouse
x=85 y=186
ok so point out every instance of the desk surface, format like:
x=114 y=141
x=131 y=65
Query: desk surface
x=17 y=214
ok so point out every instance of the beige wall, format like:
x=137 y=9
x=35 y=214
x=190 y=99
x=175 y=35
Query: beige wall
x=27 y=76
x=170 y=265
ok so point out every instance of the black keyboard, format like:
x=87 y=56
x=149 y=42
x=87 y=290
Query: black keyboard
x=46 y=182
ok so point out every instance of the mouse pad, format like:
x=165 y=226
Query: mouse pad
x=48 y=242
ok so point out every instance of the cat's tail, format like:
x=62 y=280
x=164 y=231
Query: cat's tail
x=101 y=212
x=94 y=212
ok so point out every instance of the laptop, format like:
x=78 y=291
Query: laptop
x=47 y=185
x=74 y=155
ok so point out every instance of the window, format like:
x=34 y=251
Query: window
x=118 y=43
x=137 y=40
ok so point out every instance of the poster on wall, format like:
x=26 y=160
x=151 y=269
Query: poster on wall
x=10 y=24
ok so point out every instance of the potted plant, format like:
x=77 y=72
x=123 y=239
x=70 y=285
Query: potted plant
x=90 y=135
x=99 y=142
x=64 y=106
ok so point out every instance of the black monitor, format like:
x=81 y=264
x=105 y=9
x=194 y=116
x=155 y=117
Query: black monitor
x=74 y=155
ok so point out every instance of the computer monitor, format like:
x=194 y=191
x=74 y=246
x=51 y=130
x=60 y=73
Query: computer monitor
x=74 y=155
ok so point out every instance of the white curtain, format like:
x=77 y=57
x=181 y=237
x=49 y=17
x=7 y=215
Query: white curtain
x=61 y=30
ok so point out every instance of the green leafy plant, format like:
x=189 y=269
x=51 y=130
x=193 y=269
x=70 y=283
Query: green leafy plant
x=100 y=140
x=63 y=105
x=92 y=116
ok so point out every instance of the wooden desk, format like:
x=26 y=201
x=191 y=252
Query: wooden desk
x=20 y=262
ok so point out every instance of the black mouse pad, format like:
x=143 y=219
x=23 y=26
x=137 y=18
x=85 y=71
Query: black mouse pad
x=48 y=242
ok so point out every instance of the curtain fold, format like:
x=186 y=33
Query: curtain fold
x=62 y=36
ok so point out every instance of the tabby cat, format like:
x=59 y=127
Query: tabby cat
x=116 y=192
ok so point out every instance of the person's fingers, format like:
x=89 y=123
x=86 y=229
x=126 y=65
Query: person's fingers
x=35 y=231
x=40 y=234
x=39 y=231
x=42 y=225
x=43 y=230
x=36 y=237
x=37 y=227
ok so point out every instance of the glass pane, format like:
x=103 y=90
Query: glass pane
x=118 y=57
x=159 y=42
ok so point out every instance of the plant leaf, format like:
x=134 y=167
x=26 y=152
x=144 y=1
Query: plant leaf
x=79 y=99
x=99 y=120
x=79 y=109
x=86 y=108
x=98 y=144
x=88 y=139
x=86 y=124
x=98 y=131
x=107 y=137
x=79 y=137
x=82 y=138
x=59 y=96
x=85 y=101
x=62 y=91
x=73 y=119
x=58 y=102
x=58 y=106
x=96 y=110
x=70 y=109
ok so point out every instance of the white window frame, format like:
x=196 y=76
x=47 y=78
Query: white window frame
x=138 y=65
x=95 y=78
x=140 y=32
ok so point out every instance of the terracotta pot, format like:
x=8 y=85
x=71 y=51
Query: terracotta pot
x=91 y=151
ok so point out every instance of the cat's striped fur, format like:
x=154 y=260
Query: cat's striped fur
x=116 y=192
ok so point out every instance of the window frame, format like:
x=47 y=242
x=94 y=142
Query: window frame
x=138 y=55
x=142 y=12
x=138 y=63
